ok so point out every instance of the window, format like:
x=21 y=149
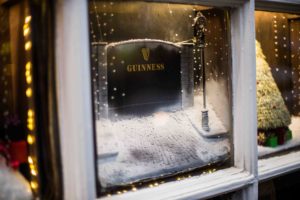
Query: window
x=277 y=53
x=155 y=117
x=150 y=99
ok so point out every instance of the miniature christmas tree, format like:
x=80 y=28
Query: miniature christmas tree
x=272 y=114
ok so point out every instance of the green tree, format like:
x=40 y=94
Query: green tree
x=271 y=109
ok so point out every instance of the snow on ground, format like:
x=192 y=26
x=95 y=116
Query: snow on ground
x=134 y=149
x=295 y=128
x=13 y=185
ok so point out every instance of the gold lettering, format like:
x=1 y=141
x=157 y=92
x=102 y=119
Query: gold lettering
x=129 y=68
x=145 y=67
x=134 y=68
x=148 y=68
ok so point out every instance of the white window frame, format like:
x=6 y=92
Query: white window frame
x=278 y=165
x=75 y=110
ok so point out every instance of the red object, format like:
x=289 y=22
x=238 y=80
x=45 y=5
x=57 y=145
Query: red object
x=281 y=136
x=14 y=164
x=18 y=153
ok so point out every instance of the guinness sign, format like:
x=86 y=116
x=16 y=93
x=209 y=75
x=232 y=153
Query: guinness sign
x=143 y=76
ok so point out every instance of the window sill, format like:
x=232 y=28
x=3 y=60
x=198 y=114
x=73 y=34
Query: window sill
x=279 y=165
x=198 y=187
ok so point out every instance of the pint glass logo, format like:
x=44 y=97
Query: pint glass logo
x=146 y=53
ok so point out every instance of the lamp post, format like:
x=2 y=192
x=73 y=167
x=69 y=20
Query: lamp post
x=199 y=28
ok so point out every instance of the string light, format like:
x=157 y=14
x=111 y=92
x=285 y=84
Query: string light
x=30 y=139
x=27 y=19
x=30 y=111
x=28 y=46
x=28 y=79
x=33 y=172
x=30 y=127
x=34 y=185
x=28 y=66
x=29 y=92
x=30 y=161
x=26 y=30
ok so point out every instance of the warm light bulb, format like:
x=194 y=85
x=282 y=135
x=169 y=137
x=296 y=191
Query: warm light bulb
x=27 y=73
x=26 y=32
x=32 y=166
x=30 y=127
x=28 y=79
x=28 y=66
x=33 y=172
x=33 y=184
x=30 y=120
x=30 y=139
x=29 y=92
x=30 y=161
x=26 y=29
x=28 y=46
x=27 y=19
x=30 y=113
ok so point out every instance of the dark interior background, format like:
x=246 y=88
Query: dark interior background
x=279 y=35
x=284 y=187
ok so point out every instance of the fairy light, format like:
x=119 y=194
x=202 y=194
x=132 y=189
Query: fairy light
x=28 y=46
x=30 y=126
x=30 y=161
x=28 y=66
x=29 y=92
x=30 y=139
x=33 y=172
x=34 y=185
x=28 y=79
x=27 y=19
x=26 y=30
x=30 y=112
x=30 y=120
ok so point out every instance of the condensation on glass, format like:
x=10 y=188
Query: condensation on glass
x=161 y=91
x=277 y=66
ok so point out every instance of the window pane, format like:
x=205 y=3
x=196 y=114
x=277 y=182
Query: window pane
x=156 y=119
x=278 y=64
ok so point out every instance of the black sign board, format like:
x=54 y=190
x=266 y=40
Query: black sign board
x=143 y=76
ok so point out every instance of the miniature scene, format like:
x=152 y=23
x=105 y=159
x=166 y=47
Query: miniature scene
x=277 y=68
x=161 y=89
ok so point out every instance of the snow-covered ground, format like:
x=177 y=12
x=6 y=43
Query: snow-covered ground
x=295 y=128
x=13 y=185
x=134 y=149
